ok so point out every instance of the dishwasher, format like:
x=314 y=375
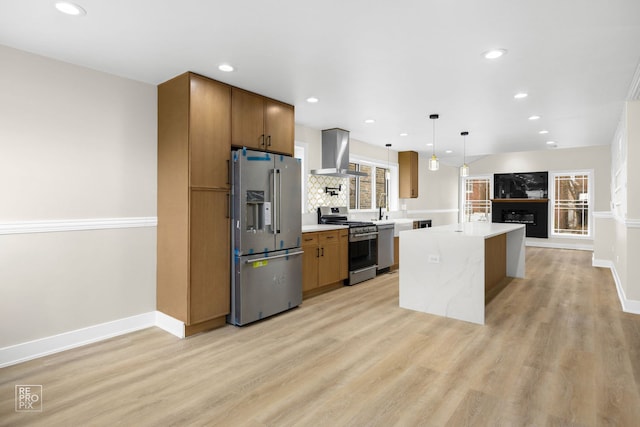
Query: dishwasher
x=385 y=246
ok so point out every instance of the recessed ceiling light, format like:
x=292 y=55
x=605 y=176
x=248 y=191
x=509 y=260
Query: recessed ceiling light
x=312 y=100
x=70 y=8
x=369 y=121
x=534 y=117
x=551 y=142
x=404 y=134
x=543 y=132
x=494 y=53
x=520 y=95
x=429 y=144
x=448 y=151
x=226 y=68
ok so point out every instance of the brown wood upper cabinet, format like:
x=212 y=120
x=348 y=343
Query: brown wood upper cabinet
x=408 y=171
x=261 y=123
x=209 y=132
x=194 y=146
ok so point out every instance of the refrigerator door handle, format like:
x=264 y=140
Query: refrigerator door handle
x=279 y=196
x=273 y=257
x=277 y=186
x=274 y=203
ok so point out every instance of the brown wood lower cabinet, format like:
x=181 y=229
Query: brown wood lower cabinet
x=325 y=261
x=396 y=253
x=209 y=295
x=344 y=253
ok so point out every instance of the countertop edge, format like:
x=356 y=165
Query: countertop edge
x=321 y=227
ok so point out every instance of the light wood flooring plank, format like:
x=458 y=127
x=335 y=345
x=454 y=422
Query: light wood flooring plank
x=556 y=349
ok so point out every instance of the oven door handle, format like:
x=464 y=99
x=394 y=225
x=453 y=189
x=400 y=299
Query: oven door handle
x=363 y=236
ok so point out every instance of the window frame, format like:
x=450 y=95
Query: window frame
x=393 y=181
x=590 y=204
x=463 y=195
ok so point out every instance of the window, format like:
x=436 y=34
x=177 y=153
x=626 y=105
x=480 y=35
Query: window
x=571 y=204
x=372 y=191
x=476 y=199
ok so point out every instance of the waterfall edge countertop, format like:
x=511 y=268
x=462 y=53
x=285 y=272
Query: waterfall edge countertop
x=449 y=270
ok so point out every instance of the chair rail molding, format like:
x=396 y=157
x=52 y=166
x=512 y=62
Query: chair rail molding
x=57 y=225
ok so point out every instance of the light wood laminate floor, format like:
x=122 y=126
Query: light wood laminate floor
x=556 y=350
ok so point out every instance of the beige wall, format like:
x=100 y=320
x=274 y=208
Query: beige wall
x=621 y=248
x=74 y=144
x=627 y=245
x=589 y=158
x=437 y=193
x=633 y=155
x=632 y=283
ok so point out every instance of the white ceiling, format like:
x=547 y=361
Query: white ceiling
x=396 y=62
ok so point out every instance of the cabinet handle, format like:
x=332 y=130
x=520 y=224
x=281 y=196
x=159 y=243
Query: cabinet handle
x=322 y=249
x=269 y=140
x=228 y=206
x=262 y=139
x=317 y=252
x=330 y=237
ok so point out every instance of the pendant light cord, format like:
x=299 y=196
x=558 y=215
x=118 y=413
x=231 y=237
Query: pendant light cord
x=434 y=138
x=464 y=146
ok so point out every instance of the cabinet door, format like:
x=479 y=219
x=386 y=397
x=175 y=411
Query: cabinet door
x=408 y=171
x=247 y=120
x=279 y=127
x=329 y=265
x=209 y=132
x=310 y=261
x=344 y=254
x=209 y=291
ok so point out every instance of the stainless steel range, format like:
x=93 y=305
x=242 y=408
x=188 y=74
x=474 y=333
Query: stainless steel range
x=363 y=242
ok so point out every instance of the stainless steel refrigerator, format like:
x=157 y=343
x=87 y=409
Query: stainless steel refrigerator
x=266 y=230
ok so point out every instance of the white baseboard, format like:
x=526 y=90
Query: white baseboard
x=169 y=324
x=628 y=305
x=44 y=346
x=573 y=246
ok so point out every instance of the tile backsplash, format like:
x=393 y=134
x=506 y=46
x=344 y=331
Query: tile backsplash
x=318 y=196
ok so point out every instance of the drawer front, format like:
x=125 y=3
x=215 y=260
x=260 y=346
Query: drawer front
x=328 y=237
x=309 y=239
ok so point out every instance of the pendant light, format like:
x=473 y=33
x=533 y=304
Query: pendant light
x=387 y=174
x=434 y=163
x=464 y=170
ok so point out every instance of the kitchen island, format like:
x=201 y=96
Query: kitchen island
x=453 y=270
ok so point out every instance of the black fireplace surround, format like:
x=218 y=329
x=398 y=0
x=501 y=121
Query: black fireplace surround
x=534 y=214
x=521 y=198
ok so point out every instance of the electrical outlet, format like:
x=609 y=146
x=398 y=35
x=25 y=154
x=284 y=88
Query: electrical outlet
x=434 y=259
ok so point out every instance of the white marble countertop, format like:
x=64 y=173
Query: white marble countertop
x=443 y=268
x=321 y=227
x=467 y=229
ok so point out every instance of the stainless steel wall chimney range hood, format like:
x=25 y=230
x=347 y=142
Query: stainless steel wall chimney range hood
x=335 y=155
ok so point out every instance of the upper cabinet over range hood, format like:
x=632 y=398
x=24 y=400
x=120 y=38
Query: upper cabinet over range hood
x=335 y=155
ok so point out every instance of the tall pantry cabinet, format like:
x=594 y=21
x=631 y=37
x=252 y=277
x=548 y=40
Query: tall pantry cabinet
x=194 y=144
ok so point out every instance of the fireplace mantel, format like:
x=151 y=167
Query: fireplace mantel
x=519 y=200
